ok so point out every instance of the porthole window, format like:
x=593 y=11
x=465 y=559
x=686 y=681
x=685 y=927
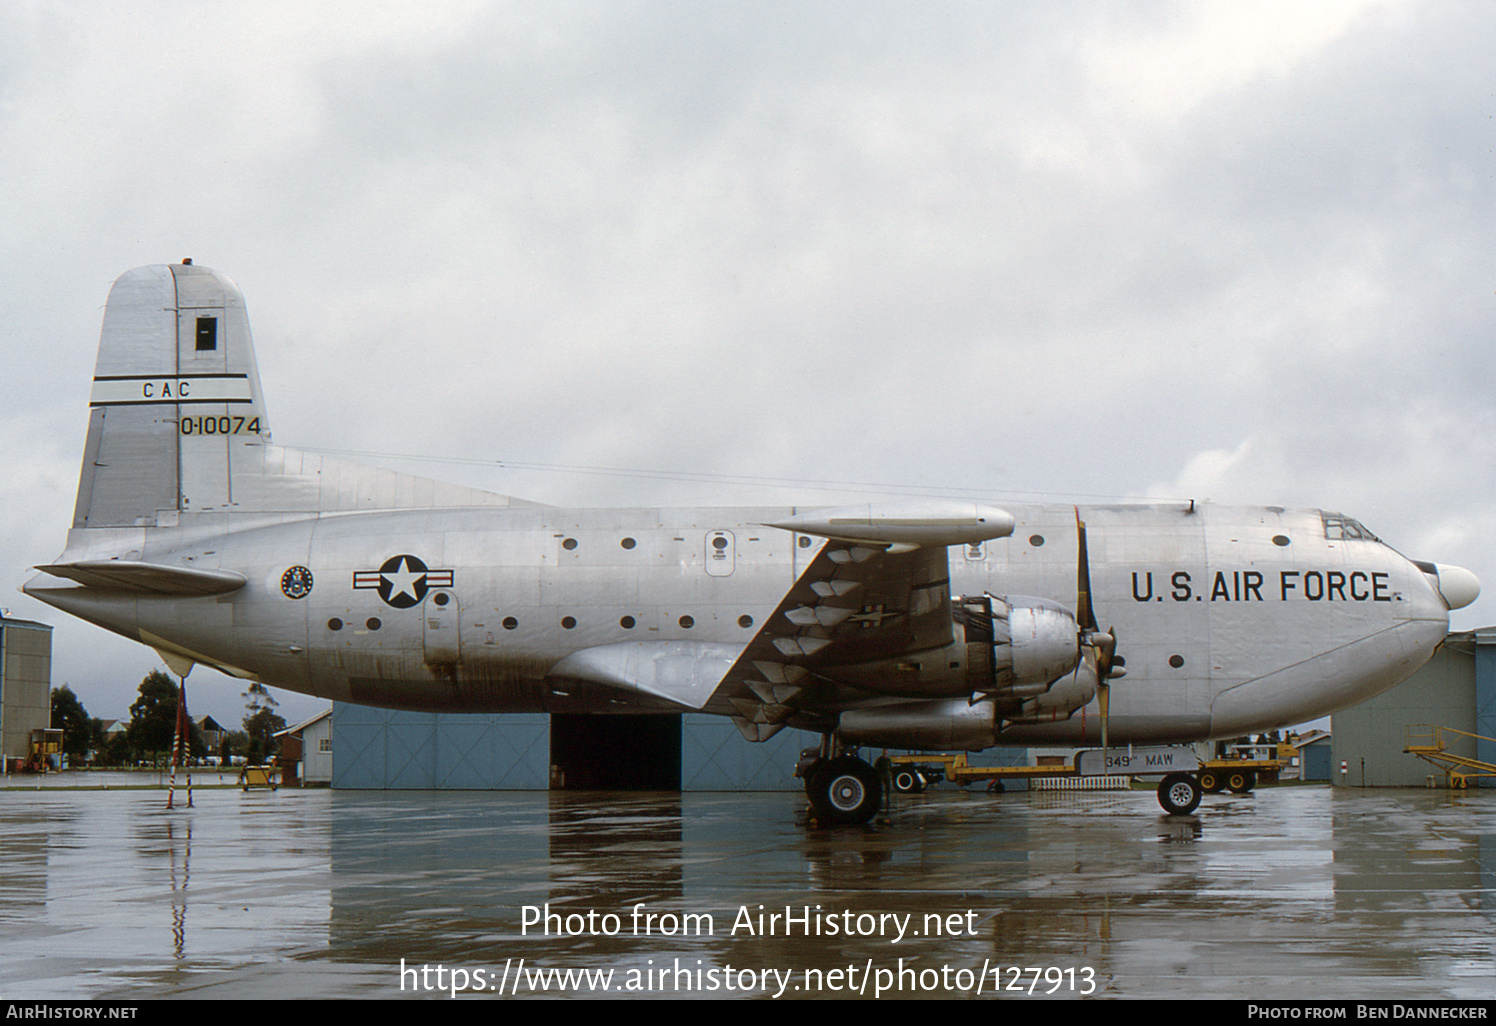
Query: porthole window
x=805 y=541
x=568 y=622
x=1176 y=661
x=1036 y=540
x=687 y=622
x=335 y=624
x=442 y=598
x=510 y=623
x=627 y=623
x=569 y=544
x=628 y=543
x=745 y=620
x=1280 y=540
x=373 y=623
x=719 y=543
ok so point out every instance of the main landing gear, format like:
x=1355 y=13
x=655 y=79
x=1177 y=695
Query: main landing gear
x=843 y=790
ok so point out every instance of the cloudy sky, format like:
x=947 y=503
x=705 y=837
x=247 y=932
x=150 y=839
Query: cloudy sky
x=1229 y=251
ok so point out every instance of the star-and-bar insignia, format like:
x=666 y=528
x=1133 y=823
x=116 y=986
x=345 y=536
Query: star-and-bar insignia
x=874 y=616
x=402 y=581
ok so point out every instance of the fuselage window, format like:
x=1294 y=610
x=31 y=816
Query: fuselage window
x=1341 y=528
x=207 y=334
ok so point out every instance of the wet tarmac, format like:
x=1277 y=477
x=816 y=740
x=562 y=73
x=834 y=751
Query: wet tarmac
x=1288 y=893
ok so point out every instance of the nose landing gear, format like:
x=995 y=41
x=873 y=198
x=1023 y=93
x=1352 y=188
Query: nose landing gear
x=1179 y=793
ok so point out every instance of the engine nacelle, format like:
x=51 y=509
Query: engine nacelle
x=1033 y=642
x=953 y=725
x=1012 y=649
x=1021 y=654
x=1057 y=703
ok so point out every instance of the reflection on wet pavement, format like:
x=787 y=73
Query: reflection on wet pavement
x=1294 y=892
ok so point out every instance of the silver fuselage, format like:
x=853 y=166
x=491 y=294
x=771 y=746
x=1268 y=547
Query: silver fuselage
x=1222 y=629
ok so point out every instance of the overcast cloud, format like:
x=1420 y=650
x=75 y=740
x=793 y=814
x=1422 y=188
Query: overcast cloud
x=1225 y=251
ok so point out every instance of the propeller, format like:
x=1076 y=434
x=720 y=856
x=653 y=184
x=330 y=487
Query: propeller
x=1102 y=644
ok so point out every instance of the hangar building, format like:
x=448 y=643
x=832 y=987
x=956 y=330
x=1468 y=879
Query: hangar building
x=25 y=684
x=1455 y=691
x=381 y=748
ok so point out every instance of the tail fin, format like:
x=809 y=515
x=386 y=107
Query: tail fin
x=175 y=401
x=176 y=423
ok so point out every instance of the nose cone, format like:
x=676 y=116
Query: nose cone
x=1457 y=586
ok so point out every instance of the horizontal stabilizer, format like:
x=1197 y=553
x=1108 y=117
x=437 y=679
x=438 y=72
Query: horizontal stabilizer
x=128 y=575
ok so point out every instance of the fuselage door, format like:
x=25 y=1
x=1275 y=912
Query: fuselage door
x=439 y=620
x=720 y=555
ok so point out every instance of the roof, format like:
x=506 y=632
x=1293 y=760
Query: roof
x=6 y=621
x=304 y=723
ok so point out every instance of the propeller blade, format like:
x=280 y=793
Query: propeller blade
x=1102 y=644
x=1103 y=695
x=1084 y=614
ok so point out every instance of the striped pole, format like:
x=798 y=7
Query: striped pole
x=181 y=737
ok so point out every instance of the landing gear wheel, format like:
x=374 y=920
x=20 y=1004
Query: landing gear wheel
x=908 y=781
x=1210 y=782
x=1241 y=781
x=1179 y=794
x=844 y=791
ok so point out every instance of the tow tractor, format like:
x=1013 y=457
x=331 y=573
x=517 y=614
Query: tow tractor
x=1244 y=768
x=1185 y=778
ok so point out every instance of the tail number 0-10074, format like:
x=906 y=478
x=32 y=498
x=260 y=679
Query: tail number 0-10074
x=220 y=425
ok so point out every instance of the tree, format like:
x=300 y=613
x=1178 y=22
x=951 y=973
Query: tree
x=153 y=719
x=262 y=723
x=77 y=728
x=153 y=716
x=117 y=751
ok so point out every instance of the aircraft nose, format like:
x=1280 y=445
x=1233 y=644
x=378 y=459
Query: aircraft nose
x=1457 y=586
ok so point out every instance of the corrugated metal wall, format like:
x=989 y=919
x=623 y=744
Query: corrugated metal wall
x=381 y=748
x=1447 y=692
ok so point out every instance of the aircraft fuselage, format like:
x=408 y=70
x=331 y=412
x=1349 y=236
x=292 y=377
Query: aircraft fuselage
x=1228 y=619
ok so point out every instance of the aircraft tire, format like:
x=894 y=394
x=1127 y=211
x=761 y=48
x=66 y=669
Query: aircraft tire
x=845 y=791
x=1241 y=781
x=1179 y=794
x=908 y=781
x=1210 y=782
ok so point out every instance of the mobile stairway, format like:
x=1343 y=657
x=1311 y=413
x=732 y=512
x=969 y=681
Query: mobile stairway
x=1435 y=746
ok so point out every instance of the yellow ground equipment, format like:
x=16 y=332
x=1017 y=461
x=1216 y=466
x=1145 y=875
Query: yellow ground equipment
x=1244 y=768
x=45 y=751
x=1434 y=745
x=258 y=776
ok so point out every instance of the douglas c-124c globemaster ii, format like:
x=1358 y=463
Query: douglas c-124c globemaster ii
x=929 y=625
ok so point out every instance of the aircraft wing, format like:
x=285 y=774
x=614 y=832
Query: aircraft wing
x=878 y=590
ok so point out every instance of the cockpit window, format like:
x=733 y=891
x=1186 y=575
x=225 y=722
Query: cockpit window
x=1342 y=528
